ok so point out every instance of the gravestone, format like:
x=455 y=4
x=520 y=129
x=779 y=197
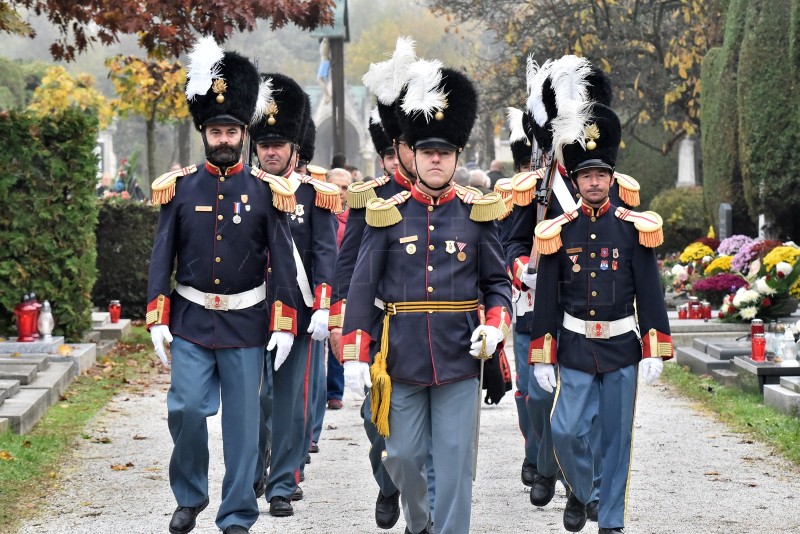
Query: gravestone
x=686 y=163
x=725 y=221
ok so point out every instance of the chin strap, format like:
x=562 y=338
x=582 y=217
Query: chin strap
x=441 y=187
x=289 y=164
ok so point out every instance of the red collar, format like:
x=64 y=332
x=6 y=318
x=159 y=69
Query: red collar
x=592 y=212
x=402 y=179
x=427 y=200
x=216 y=171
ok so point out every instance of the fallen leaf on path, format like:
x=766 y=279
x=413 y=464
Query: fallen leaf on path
x=119 y=467
x=137 y=437
x=711 y=473
x=5 y=455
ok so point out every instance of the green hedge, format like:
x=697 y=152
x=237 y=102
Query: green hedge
x=125 y=233
x=683 y=211
x=48 y=216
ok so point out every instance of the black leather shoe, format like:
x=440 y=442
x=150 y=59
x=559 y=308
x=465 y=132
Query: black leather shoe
x=574 y=514
x=236 y=529
x=423 y=531
x=387 y=510
x=591 y=510
x=280 y=507
x=308 y=458
x=611 y=531
x=314 y=448
x=302 y=477
x=543 y=490
x=298 y=494
x=184 y=518
x=529 y=473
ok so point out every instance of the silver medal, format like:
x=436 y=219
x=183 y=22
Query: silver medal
x=237 y=219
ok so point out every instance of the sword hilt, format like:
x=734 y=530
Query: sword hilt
x=483 y=355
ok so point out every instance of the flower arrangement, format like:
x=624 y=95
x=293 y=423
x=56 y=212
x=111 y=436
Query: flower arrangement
x=715 y=288
x=695 y=251
x=710 y=241
x=750 y=252
x=731 y=245
x=720 y=264
x=768 y=295
x=784 y=254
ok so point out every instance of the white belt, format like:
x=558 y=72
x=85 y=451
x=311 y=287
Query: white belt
x=600 y=329
x=213 y=301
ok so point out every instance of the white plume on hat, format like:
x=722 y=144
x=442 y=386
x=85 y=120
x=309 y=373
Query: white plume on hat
x=568 y=78
x=204 y=66
x=514 y=121
x=374 y=116
x=535 y=77
x=386 y=79
x=423 y=94
x=264 y=98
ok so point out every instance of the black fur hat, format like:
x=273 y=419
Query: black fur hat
x=309 y=136
x=221 y=87
x=390 y=120
x=440 y=114
x=381 y=140
x=601 y=138
x=284 y=114
x=518 y=139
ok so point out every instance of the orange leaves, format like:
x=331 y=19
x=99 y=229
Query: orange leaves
x=59 y=90
x=150 y=88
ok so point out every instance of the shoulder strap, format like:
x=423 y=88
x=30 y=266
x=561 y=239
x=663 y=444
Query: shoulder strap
x=327 y=195
x=163 y=189
x=382 y=213
x=523 y=186
x=282 y=190
x=628 y=189
x=359 y=193
x=548 y=232
x=649 y=223
x=503 y=188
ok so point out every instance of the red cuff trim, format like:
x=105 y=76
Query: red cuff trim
x=336 y=315
x=499 y=317
x=157 y=311
x=322 y=297
x=355 y=346
x=520 y=265
x=542 y=350
x=657 y=345
x=284 y=318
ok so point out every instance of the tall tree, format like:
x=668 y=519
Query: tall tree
x=165 y=28
x=152 y=89
x=59 y=91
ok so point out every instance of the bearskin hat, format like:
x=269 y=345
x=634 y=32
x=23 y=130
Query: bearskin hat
x=221 y=87
x=439 y=107
x=386 y=80
x=518 y=139
x=309 y=135
x=381 y=140
x=283 y=117
x=598 y=144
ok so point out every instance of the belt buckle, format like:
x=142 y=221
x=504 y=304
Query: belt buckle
x=598 y=329
x=216 y=302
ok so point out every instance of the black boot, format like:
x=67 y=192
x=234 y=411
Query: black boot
x=184 y=518
x=235 y=529
x=280 y=507
x=591 y=510
x=529 y=473
x=574 y=514
x=611 y=531
x=543 y=490
x=298 y=494
x=387 y=510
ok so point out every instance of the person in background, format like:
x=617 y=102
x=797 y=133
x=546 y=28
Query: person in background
x=495 y=172
x=339 y=161
x=479 y=180
x=462 y=176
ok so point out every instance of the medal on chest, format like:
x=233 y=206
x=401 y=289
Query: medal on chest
x=237 y=209
x=576 y=267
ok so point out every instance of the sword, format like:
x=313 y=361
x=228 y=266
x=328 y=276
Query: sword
x=482 y=356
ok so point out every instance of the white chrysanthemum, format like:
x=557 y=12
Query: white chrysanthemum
x=745 y=296
x=706 y=260
x=783 y=268
x=748 y=313
x=763 y=287
x=728 y=299
x=725 y=308
x=677 y=268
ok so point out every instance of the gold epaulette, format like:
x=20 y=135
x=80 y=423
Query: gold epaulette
x=628 y=189
x=359 y=193
x=382 y=213
x=649 y=224
x=282 y=190
x=317 y=172
x=327 y=196
x=523 y=186
x=503 y=188
x=163 y=189
x=488 y=207
x=548 y=232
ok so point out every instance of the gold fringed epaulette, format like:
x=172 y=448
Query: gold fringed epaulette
x=628 y=189
x=488 y=207
x=548 y=232
x=317 y=172
x=327 y=195
x=523 y=186
x=163 y=189
x=282 y=190
x=382 y=213
x=359 y=193
x=649 y=224
x=503 y=188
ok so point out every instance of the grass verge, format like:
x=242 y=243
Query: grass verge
x=29 y=463
x=742 y=411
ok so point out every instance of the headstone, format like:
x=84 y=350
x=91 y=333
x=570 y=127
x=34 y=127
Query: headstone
x=686 y=163
x=725 y=221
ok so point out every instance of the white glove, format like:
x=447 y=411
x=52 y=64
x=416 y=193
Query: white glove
x=356 y=377
x=528 y=279
x=651 y=369
x=318 y=327
x=283 y=341
x=545 y=374
x=160 y=333
x=493 y=338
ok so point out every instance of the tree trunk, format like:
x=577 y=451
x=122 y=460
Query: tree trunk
x=185 y=128
x=151 y=149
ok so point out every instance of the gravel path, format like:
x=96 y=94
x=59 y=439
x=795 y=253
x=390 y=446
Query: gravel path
x=690 y=474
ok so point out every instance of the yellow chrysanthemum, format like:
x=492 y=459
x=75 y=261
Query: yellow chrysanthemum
x=695 y=251
x=779 y=254
x=795 y=289
x=721 y=264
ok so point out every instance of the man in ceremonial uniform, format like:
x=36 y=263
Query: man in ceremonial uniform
x=385 y=80
x=599 y=312
x=221 y=223
x=276 y=137
x=429 y=255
